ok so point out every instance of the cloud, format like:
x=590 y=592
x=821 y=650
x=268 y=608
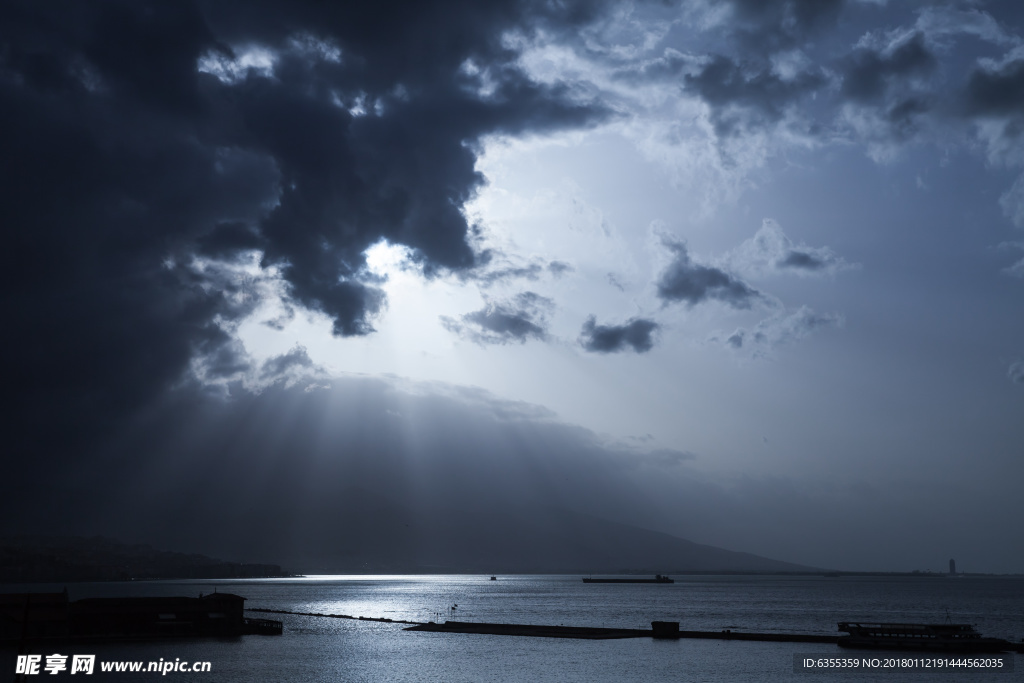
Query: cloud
x=870 y=74
x=669 y=457
x=887 y=91
x=993 y=98
x=771 y=25
x=1017 y=269
x=685 y=281
x=559 y=268
x=996 y=89
x=770 y=251
x=227 y=240
x=517 y=320
x=496 y=267
x=296 y=360
x=1012 y=202
x=742 y=96
x=636 y=333
x=1016 y=372
x=779 y=330
x=140 y=141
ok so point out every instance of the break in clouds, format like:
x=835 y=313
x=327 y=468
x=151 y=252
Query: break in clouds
x=152 y=151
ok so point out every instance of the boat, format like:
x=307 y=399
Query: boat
x=926 y=637
x=658 y=578
x=494 y=578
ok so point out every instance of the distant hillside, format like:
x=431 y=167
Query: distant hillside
x=50 y=559
x=376 y=535
x=362 y=532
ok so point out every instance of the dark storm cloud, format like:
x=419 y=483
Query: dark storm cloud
x=891 y=83
x=741 y=93
x=870 y=73
x=227 y=239
x=693 y=283
x=997 y=92
x=636 y=334
x=995 y=95
x=517 y=320
x=225 y=360
x=770 y=25
x=137 y=136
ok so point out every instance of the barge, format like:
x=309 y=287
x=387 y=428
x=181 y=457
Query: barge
x=658 y=578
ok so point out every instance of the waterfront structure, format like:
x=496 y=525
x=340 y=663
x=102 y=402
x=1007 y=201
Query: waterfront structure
x=34 y=616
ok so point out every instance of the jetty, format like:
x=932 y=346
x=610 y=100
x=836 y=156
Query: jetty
x=668 y=630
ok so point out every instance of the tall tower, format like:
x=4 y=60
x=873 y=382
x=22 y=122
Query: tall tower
x=952 y=566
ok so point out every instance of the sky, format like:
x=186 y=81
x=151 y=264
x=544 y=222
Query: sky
x=750 y=273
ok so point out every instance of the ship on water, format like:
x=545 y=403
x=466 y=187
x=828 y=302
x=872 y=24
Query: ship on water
x=924 y=637
x=658 y=578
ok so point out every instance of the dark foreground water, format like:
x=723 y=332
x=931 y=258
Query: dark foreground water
x=318 y=649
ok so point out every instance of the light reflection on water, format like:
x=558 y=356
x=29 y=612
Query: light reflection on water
x=322 y=649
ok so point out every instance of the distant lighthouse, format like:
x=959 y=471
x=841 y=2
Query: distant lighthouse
x=952 y=566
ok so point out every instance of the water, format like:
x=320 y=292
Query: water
x=319 y=649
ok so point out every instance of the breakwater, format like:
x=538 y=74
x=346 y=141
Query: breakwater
x=663 y=630
x=584 y=632
x=658 y=629
x=593 y=633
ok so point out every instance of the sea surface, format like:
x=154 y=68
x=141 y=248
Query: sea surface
x=322 y=649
